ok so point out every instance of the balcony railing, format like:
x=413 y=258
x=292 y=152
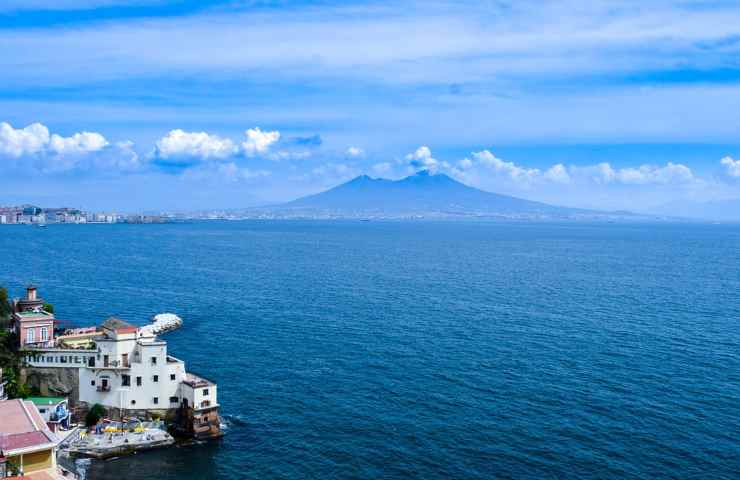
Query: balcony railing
x=103 y=388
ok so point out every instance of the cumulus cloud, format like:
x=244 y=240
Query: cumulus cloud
x=355 y=152
x=604 y=173
x=557 y=174
x=23 y=141
x=732 y=167
x=34 y=148
x=422 y=158
x=258 y=142
x=485 y=162
x=180 y=146
x=509 y=169
x=83 y=142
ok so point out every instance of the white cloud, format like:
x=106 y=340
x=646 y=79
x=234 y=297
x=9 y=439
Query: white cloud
x=465 y=164
x=382 y=168
x=120 y=156
x=485 y=163
x=178 y=145
x=355 y=152
x=34 y=148
x=78 y=143
x=258 y=142
x=23 y=141
x=422 y=158
x=732 y=167
x=509 y=169
x=671 y=173
x=557 y=174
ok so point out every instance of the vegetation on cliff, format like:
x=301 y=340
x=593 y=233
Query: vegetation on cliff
x=10 y=358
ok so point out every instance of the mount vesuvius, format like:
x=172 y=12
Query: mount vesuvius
x=420 y=194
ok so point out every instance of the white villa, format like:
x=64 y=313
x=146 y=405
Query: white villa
x=127 y=369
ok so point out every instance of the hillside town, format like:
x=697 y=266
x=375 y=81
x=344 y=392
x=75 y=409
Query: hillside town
x=33 y=215
x=92 y=391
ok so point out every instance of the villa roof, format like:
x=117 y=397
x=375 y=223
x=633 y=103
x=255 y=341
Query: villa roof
x=196 y=381
x=22 y=426
x=119 y=326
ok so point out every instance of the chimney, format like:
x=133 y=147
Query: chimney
x=31 y=292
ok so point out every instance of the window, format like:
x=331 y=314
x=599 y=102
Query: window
x=156 y=400
x=92 y=383
x=174 y=400
x=138 y=381
x=155 y=378
x=205 y=403
x=29 y=335
x=154 y=360
x=44 y=334
x=172 y=376
x=42 y=410
x=125 y=380
x=205 y=392
x=91 y=362
x=105 y=360
x=124 y=359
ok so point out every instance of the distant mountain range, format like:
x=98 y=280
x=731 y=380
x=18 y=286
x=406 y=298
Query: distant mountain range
x=422 y=194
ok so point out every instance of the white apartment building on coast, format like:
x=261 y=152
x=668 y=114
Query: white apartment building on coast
x=126 y=369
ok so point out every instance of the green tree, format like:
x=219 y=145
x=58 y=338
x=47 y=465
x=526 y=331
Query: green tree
x=94 y=415
x=48 y=307
x=4 y=308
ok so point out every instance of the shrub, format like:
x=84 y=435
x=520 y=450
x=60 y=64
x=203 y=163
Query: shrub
x=94 y=415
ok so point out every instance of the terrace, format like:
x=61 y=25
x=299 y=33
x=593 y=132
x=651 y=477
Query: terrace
x=195 y=381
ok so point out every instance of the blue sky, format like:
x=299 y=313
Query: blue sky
x=148 y=104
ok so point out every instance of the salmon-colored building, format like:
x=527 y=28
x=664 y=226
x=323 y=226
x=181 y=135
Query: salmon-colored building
x=35 y=327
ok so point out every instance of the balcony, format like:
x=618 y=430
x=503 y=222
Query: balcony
x=103 y=388
x=115 y=365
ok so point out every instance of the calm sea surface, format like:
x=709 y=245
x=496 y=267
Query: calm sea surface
x=424 y=350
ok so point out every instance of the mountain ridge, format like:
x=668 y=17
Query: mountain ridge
x=418 y=194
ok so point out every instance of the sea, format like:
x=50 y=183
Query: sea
x=421 y=349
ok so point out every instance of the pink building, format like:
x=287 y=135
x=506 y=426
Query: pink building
x=35 y=327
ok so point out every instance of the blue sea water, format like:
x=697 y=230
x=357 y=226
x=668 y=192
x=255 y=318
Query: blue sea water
x=421 y=349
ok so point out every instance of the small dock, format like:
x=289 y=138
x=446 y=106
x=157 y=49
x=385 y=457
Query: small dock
x=115 y=441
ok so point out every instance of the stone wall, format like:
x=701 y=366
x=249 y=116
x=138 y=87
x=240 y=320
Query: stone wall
x=59 y=382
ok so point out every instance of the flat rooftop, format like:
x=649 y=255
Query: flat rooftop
x=196 y=382
x=29 y=314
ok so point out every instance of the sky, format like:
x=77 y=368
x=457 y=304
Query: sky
x=205 y=104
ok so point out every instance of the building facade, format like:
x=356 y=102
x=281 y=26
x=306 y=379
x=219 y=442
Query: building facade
x=26 y=443
x=35 y=327
x=128 y=370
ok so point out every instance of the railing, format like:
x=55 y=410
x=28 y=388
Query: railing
x=103 y=388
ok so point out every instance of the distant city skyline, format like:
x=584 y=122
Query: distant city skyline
x=195 y=105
